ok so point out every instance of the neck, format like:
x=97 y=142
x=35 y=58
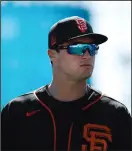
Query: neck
x=67 y=90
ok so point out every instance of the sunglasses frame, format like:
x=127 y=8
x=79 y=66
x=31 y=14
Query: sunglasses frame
x=85 y=49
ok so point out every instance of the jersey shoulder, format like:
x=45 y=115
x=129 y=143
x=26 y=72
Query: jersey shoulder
x=108 y=102
x=23 y=103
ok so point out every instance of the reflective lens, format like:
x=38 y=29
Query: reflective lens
x=80 y=49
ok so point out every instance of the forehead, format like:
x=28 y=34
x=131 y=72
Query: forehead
x=79 y=40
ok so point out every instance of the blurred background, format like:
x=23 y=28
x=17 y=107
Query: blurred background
x=25 y=65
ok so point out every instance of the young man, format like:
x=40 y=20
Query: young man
x=68 y=114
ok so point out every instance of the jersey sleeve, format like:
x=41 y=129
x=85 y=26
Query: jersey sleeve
x=9 y=122
x=6 y=129
x=12 y=117
x=124 y=128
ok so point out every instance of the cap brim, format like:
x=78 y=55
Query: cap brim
x=97 y=38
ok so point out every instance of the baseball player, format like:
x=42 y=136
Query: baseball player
x=67 y=114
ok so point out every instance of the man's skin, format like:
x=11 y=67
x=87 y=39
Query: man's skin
x=70 y=72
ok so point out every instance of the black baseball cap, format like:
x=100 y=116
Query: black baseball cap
x=72 y=28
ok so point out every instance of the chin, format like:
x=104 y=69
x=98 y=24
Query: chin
x=81 y=77
x=85 y=77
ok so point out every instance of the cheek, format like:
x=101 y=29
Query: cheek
x=69 y=62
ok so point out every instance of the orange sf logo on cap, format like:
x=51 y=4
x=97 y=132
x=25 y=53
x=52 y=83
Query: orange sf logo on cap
x=81 y=24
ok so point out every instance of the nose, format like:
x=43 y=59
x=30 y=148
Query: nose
x=86 y=54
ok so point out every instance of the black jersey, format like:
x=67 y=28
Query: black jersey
x=36 y=121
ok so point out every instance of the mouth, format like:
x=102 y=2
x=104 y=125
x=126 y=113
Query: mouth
x=85 y=65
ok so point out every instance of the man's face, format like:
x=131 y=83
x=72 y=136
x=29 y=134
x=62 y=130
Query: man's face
x=72 y=66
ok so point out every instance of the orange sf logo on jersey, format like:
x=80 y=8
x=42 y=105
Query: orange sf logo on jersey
x=97 y=136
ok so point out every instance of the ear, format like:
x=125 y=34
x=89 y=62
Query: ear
x=52 y=54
